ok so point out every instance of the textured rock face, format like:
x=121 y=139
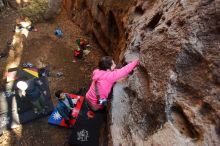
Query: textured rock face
x=173 y=98
x=103 y=20
x=54 y=8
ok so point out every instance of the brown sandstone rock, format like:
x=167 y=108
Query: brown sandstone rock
x=173 y=97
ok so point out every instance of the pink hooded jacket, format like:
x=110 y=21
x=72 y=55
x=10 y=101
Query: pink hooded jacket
x=105 y=81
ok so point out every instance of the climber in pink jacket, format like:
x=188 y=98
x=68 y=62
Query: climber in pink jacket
x=104 y=78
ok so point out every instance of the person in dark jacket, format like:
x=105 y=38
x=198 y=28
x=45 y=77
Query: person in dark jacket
x=65 y=106
x=32 y=90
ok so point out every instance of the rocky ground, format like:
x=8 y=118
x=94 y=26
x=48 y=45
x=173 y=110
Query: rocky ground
x=42 y=48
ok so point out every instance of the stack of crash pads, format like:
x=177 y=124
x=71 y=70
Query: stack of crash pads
x=15 y=110
x=56 y=118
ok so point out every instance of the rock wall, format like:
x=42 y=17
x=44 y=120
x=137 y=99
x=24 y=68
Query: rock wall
x=103 y=20
x=173 y=97
x=54 y=8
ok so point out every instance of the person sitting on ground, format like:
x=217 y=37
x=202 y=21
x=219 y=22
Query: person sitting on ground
x=32 y=90
x=65 y=106
x=103 y=80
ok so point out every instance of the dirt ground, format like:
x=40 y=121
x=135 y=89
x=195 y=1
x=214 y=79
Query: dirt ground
x=43 y=48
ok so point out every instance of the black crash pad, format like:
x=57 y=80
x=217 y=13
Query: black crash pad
x=16 y=110
x=86 y=131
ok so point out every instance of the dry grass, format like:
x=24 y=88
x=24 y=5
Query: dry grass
x=35 y=9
